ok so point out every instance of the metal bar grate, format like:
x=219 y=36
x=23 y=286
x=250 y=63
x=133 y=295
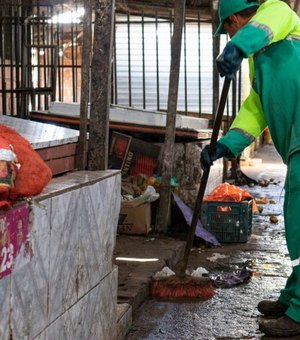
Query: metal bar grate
x=41 y=60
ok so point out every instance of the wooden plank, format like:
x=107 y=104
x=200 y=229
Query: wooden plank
x=62 y=165
x=60 y=151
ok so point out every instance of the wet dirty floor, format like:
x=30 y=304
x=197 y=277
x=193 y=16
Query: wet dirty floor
x=231 y=313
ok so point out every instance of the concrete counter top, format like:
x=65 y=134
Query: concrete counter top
x=41 y=135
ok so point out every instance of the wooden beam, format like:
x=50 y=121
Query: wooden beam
x=297 y=6
x=101 y=85
x=162 y=8
x=168 y=150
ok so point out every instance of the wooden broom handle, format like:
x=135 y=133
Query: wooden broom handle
x=204 y=178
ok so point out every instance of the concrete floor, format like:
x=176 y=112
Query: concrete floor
x=231 y=313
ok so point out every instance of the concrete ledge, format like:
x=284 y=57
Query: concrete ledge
x=74 y=180
x=134 y=274
x=124 y=319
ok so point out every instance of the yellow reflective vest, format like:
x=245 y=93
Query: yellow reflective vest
x=271 y=41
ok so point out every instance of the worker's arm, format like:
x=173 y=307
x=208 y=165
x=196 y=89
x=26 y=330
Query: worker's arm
x=273 y=21
x=249 y=124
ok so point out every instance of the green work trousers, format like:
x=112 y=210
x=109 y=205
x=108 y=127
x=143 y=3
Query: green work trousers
x=290 y=295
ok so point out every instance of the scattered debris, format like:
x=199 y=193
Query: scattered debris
x=260 y=209
x=200 y=230
x=263 y=182
x=199 y=272
x=165 y=272
x=133 y=186
x=273 y=219
x=262 y=200
x=216 y=256
x=232 y=280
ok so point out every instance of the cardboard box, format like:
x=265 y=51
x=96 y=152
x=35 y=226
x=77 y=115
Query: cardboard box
x=133 y=156
x=135 y=219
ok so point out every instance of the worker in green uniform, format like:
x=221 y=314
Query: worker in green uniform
x=269 y=36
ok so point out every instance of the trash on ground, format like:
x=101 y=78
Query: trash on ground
x=262 y=200
x=273 y=219
x=232 y=280
x=199 y=272
x=260 y=209
x=263 y=182
x=216 y=256
x=165 y=272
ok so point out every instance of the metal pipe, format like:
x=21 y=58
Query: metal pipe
x=185 y=70
x=143 y=60
x=73 y=64
x=38 y=57
x=157 y=63
x=55 y=60
x=129 y=59
x=17 y=59
x=12 y=52
x=115 y=68
x=199 y=66
x=62 y=59
x=2 y=48
x=60 y=95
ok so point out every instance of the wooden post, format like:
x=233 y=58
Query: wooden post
x=167 y=156
x=101 y=85
x=85 y=84
x=297 y=6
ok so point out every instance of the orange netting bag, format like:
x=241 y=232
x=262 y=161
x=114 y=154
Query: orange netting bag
x=33 y=174
x=229 y=192
x=8 y=171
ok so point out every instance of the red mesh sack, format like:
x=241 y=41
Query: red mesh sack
x=8 y=167
x=8 y=171
x=33 y=174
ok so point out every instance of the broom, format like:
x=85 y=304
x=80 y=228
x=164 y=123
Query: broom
x=183 y=285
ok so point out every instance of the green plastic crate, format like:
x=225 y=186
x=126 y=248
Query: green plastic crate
x=229 y=222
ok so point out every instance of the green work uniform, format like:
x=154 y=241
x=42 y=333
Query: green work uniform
x=271 y=41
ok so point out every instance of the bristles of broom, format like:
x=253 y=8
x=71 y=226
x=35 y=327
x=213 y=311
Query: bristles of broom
x=186 y=287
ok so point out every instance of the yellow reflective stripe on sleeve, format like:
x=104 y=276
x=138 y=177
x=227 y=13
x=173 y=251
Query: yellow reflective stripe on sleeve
x=251 y=117
x=264 y=28
x=293 y=37
x=244 y=133
x=277 y=17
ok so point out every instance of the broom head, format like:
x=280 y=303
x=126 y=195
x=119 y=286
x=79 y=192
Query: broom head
x=175 y=287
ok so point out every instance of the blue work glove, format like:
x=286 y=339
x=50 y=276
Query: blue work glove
x=229 y=61
x=207 y=157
